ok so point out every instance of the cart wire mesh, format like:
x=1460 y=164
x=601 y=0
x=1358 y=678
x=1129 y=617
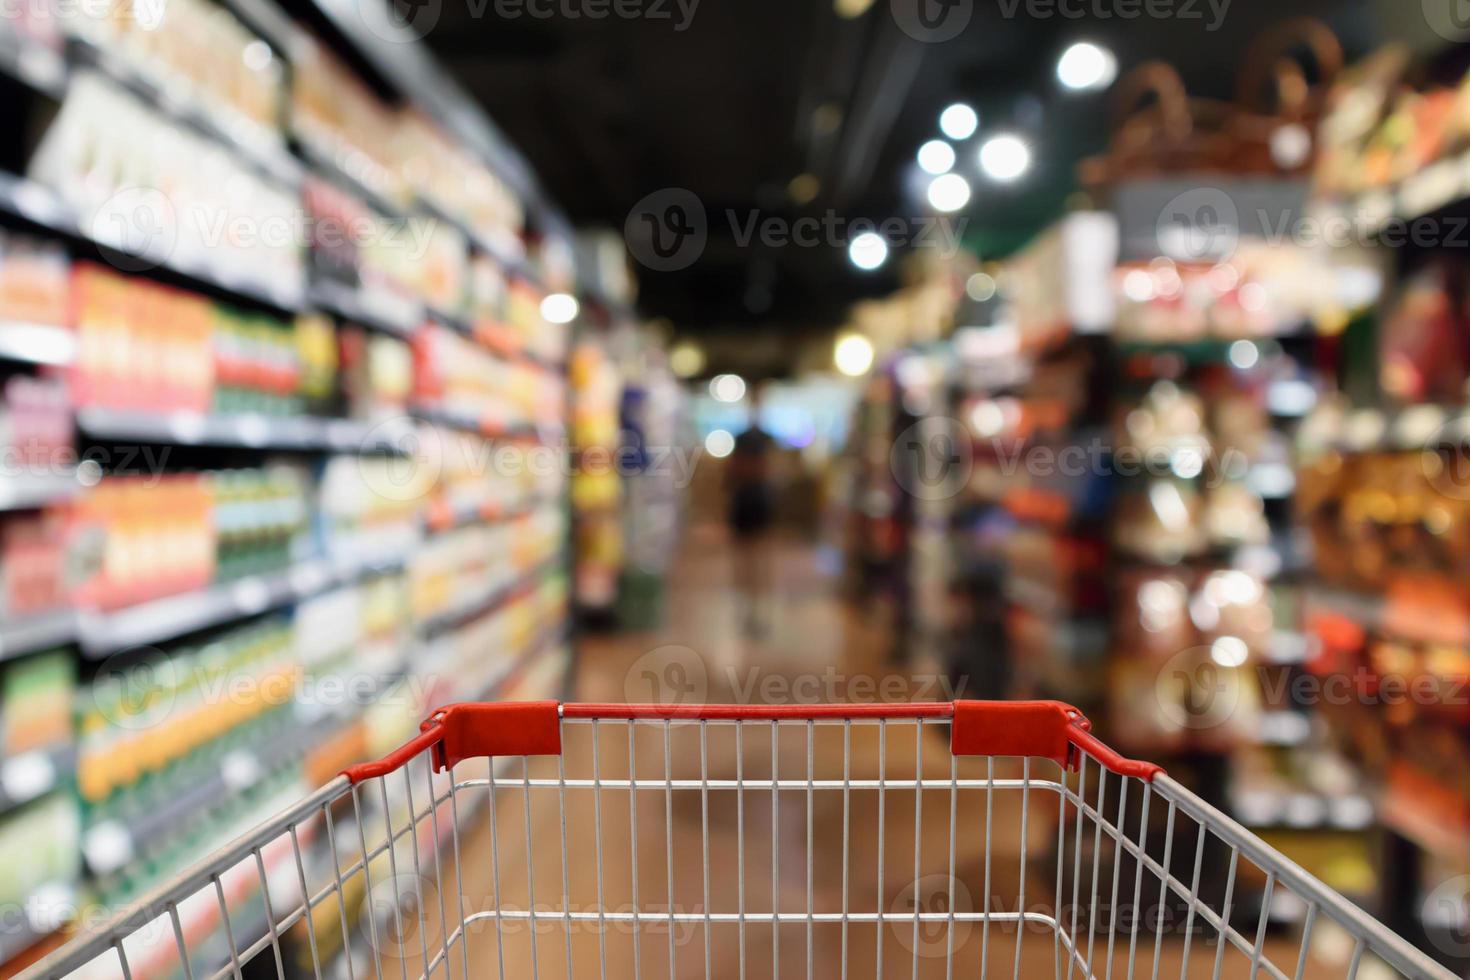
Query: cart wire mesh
x=971 y=839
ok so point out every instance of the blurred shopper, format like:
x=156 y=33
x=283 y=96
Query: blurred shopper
x=752 y=513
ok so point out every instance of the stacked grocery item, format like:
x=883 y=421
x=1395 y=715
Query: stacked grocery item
x=452 y=182
x=597 y=488
x=161 y=535
x=456 y=573
x=467 y=384
x=35 y=285
x=192 y=46
x=175 y=198
x=335 y=114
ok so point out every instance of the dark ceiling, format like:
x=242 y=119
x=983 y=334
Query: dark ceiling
x=751 y=93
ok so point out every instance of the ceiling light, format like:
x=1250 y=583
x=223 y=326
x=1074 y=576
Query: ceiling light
x=948 y=192
x=803 y=188
x=958 y=121
x=719 y=443
x=1004 y=158
x=853 y=355
x=559 y=308
x=936 y=157
x=727 y=387
x=686 y=359
x=867 y=251
x=1086 y=66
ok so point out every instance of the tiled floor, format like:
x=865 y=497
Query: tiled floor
x=821 y=851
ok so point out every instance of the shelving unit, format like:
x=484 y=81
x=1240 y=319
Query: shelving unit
x=334 y=528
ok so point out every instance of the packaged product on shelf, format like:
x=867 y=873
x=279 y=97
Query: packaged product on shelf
x=44 y=840
x=217 y=216
x=152 y=348
x=383 y=259
x=161 y=535
x=33 y=564
x=35 y=284
x=257 y=366
x=457 y=184
x=317 y=354
x=35 y=424
x=462 y=379
x=260 y=516
x=1356 y=105
x=141 y=345
x=1261 y=290
x=1422 y=349
x=349 y=642
x=152 y=726
x=195 y=46
x=377 y=374
x=443 y=269
x=337 y=116
x=36 y=695
x=369 y=507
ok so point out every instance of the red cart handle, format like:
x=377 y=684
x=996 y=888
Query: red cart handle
x=1041 y=729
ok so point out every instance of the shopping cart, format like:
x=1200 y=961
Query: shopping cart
x=540 y=839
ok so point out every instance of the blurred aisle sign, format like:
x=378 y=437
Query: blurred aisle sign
x=1202 y=218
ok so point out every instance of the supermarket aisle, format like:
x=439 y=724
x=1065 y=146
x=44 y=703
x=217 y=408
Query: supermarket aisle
x=678 y=837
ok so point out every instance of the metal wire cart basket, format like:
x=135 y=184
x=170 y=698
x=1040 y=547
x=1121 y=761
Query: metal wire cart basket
x=549 y=840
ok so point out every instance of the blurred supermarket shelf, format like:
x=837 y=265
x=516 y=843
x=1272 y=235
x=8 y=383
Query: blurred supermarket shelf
x=325 y=166
x=246 y=430
x=113 y=843
x=22 y=491
x=37 y=343
x=30 y=775
x=486 y=428
x=24 y=198
x=445 y=517
x=374 y=312
x=489 y=600
x=502 y=679
x=26 y=634
x=251 y=144
x=1436 y=187
x=510 y=256
x=103 y=633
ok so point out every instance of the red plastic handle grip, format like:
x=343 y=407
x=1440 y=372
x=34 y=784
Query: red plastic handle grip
x=1038 y=729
